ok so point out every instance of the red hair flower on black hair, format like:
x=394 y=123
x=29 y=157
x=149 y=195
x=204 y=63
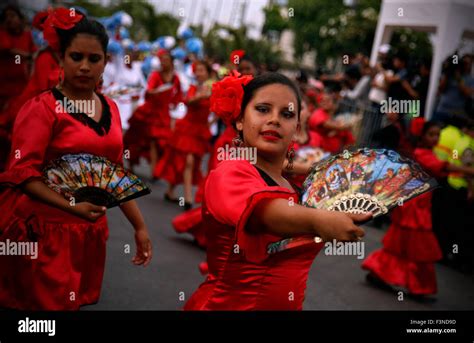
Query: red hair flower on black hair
x=227 y=95
x=59 y=18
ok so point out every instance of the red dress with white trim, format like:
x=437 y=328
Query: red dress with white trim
x=242 y=274
x=410 y=247
x=69 y=267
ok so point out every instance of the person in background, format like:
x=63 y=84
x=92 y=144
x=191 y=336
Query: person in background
x=410 y=247
x=16 y=51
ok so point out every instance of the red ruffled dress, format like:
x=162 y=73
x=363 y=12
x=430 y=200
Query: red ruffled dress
x=242 y=275
x=191 y=221
x=191 y=135
x=14 y=72
x=152 y=121
x=410 y=247
x=328 y=141
x=70 y=262
x=45 y=76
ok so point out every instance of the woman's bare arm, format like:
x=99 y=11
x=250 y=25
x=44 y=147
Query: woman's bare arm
x=284 y=218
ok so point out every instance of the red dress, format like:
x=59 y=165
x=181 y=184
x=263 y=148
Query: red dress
x=328 y=141
x=191 y=221
x=410 y=247
x=70 y=263
x=45 y=76
x=242 y=275
x=191 y=135
x=13 y=75
x=151 y=121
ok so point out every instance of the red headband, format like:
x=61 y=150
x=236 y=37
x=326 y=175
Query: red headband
x=227 y=94
x=59 y=18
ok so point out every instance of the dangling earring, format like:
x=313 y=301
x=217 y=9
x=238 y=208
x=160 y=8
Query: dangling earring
x=290 y=155
x=237 y=140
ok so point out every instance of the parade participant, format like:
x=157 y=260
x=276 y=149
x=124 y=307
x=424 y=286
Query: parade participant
x=45 y=75
x=70 y=237
x=333 y=134
x=150 y=124
x=410 y=248
x=181 y=161
x=16 y=49
x=246 y=206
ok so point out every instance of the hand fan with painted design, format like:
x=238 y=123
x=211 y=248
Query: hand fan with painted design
x=365 y=180
x=94 y=179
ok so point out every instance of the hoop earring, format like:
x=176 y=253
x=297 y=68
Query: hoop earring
x=290 y=155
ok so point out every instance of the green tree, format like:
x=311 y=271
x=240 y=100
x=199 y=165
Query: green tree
x=331 y=28
x=147 y=24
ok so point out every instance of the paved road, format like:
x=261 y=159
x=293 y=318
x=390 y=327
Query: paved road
x=335 y=282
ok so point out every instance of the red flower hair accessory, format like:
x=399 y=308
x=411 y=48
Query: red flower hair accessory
x=227 y=94
x=416 y=126
x=162 y=52
x=59 y=18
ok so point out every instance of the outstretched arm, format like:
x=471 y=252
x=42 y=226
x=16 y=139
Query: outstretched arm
x=279 y=216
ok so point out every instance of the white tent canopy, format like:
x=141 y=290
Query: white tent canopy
x=450 y=21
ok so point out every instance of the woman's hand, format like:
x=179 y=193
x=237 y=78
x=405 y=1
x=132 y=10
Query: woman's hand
x=339 y=225
x=143 y=244
x=88 y=211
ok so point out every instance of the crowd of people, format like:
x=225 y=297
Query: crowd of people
x=172 y=112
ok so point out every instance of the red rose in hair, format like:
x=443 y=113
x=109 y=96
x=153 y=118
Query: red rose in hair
x=59 y=18
x=416 y=126
x=227 y=95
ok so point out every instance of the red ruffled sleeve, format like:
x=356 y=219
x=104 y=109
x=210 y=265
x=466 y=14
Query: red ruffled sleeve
x=232 y=191
x=428 y=161
x=32 y=133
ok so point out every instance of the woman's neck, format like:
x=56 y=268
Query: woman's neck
x=271 y=167
x=75 y=94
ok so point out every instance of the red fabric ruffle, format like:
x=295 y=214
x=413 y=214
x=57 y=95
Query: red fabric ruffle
x=416 y=277
x=67 y=272
x=191 y=222
x=171 y=167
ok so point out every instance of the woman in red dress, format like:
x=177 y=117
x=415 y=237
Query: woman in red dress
x=150 y=124
x=181 y=161
x=334 y=135
x=71 y=238
x=45 y=75
x=410 y=248
x=246 y=207
x=16 y=49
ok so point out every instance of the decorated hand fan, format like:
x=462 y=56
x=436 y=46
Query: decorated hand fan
x=366 y=180
x=362 y=181
x=93 y=179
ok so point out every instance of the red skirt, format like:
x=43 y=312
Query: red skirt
x=191 y=222
x=410 y=249
x=69 y=267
